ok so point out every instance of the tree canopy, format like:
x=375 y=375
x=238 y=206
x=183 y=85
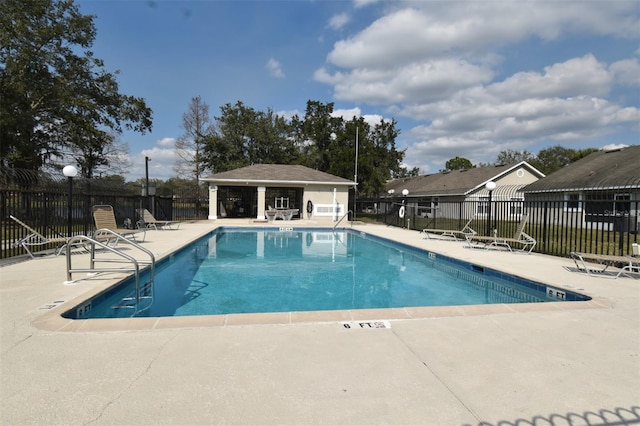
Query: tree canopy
x=320 y=140
x=548 y=160
x=458 y=163
x=57 y=98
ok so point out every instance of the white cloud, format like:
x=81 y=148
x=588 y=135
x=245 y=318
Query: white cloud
x=441 y=28
x=570 y=78
x=362 y=3
x=288 y=114
x=161 y=162
x=627 y=72
x=447 y=65
x=338 y=21
x=166 y=142
x=417 y=82
x=349 y=114
x=275 y=69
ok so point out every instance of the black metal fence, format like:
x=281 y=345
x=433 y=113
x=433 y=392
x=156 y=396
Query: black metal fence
x=603 y=221
x=599 y=224
x=41 y=201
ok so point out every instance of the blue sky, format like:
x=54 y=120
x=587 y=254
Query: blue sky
x=461 y=78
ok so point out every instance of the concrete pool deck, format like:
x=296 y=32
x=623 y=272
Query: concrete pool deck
x=565 y=363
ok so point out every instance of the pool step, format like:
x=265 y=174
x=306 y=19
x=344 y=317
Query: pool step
x=132 y=302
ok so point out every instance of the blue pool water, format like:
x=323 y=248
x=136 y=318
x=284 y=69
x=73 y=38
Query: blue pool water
x=271 y=270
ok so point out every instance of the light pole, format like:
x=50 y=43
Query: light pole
x=405 y=192
x=146 y=182
x=389 y=205
x=490 y=186
x=70 y=172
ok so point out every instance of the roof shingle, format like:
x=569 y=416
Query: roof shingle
x=456 y=182
x=276 y=173
x=600 y=170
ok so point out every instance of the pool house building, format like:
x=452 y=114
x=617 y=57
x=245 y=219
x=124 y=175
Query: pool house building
x=278 y=192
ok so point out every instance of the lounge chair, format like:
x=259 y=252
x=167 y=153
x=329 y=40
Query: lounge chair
x=282 y=214
x=455 y=234
x=627 y=264
x=35 y=238
x=105 y=218
x=519 y=237
x=148 y=221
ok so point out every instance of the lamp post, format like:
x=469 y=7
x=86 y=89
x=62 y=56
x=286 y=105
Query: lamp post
x=146 y=181
x=490 y=186
x=405 y=192
x=70 y=172
x=389 y=204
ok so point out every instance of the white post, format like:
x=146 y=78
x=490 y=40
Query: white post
x=261 y=201
x=213 y=202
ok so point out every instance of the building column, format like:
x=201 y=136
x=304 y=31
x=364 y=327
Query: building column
x=261 y=200
x=213 y=202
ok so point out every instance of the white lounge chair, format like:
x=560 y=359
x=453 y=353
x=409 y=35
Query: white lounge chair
x=455 y=234
x=149 y=221
x=519 y=237
x=627 y=264
x=36 y=239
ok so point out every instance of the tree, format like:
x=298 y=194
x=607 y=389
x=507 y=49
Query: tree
x=198 y=128
x=320 y=141
x=382 y=160
x=404 y=173
x=556 y=157
x=552 y=159
x=101 y=154
x=319 y=129
x=56 y=96
x=458 y=163
x=245 y=136
x=511 y=157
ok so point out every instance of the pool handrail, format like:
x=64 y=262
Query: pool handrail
x=340 y=220
x=135 y=268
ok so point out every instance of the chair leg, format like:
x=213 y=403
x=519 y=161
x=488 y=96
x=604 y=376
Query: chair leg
x=27 y=250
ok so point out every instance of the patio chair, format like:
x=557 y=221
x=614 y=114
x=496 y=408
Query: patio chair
x=105 y=218
x=35 y=238
x=519 y=237
x=627 y=264
x=147 y=220
x=453 y=233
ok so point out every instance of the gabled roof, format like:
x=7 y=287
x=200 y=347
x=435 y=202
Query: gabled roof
x=612 y=169
x=457 y=182
x=276 y=174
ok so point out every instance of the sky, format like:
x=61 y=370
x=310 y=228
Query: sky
x=461 y=78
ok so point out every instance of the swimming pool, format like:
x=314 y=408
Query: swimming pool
x=256 y=270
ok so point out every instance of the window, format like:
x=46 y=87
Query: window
x=515 y=206
x=427 y=208
x=622 y=203
x=483 y=206
x=572 y=201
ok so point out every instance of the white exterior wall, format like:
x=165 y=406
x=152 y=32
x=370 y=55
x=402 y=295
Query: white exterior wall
x=330 y=203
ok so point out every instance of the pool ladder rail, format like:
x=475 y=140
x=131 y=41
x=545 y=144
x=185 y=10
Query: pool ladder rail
x=107 y=241
x=340 y=220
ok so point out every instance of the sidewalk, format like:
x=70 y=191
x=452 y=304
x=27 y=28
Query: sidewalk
x=566 y=364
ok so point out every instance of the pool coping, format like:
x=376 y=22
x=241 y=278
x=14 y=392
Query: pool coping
x=53 y=320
